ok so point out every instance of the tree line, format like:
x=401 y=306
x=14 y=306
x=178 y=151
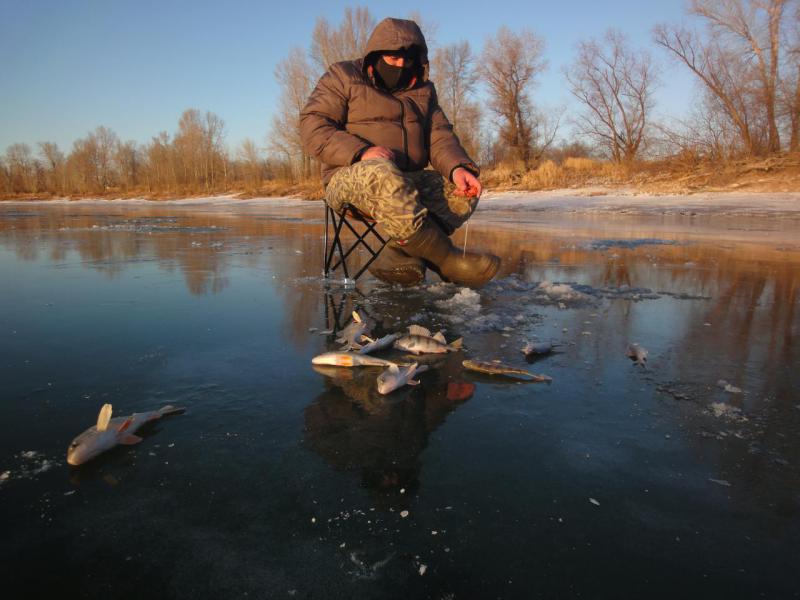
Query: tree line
x=743 y=54
x=193 y=160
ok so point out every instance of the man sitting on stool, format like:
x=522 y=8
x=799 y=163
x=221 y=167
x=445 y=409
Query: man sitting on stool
x=375 y=124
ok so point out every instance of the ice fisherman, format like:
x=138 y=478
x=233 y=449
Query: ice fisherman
x=375 y=124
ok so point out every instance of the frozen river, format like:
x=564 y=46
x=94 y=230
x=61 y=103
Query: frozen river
x=282 y=481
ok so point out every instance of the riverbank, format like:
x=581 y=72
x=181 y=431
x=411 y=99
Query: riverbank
x=595 y=199
x=779 y=174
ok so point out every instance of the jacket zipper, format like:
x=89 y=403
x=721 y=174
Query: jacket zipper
x=403 y=128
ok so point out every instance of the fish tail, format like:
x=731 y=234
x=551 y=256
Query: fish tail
x=456 y=344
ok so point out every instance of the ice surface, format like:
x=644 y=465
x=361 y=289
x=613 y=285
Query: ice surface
x=628 y=244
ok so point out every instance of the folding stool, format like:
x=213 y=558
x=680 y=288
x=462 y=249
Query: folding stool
x=349 y=216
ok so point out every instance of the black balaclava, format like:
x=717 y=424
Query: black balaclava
x=394 y=78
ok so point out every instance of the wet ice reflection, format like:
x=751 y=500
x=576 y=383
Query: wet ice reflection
x=308 y=470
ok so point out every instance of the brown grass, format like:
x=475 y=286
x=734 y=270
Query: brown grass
x=307 y=190
x=679 y=175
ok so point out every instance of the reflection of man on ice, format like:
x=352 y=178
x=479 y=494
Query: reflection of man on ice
x=375 y=124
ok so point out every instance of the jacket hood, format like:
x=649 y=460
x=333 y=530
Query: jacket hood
x=393 y=35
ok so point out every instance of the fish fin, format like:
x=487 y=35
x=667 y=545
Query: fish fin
x=130 y=440
x=394 y=368
x=421 y=369
x=357 y=317
x=104 y=417
x=125 y=424
x=412 y=382
x=439 y=337
x=419 y=330
x=456 y=344
x=367 y=338
x=171 y=410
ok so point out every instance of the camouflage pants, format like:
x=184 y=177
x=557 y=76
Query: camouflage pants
x=399 y=201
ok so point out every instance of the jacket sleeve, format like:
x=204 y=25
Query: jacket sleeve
x=447 y=154
x=322 y=124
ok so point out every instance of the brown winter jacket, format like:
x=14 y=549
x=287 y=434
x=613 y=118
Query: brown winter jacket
x=347 y=112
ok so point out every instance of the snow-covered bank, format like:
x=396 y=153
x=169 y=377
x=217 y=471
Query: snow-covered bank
x=224 y=200
x=583 y=200
x=592 y=200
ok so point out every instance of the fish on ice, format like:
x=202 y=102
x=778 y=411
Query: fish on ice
x=419 y=340
x=350 y=359
x=396 y=377
x=379 y=344
x=637 y=354
x=351 y=334
x=497 y=368
x=538 y=348
x=108 y=432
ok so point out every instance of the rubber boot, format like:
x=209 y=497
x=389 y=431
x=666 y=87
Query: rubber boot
x=395 y=266
x=472 y=269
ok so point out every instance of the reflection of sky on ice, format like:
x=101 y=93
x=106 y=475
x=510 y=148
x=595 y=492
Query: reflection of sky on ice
x=282 y=478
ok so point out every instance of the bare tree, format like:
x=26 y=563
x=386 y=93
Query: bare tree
x=429 y=28
x=704 y=132
x=346 y=42
x=160 y=163
x=91 y=161
x=252 y=163
x=453 y=72
x=754 y=26
x=127 y=161
x=107 y=142
x=789 y=97
x=5 y=178
x=614 y=83
x=21 y=168
x=54 y=167
x=510 y=64
x=738 y=62
x=721 y=72
x=214 y=158
x=296 y=85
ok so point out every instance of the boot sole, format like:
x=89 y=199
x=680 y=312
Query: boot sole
x=409 y=276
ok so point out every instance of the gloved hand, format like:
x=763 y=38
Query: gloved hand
x=466 y=183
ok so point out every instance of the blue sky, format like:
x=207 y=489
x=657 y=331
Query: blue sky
x=69 y=66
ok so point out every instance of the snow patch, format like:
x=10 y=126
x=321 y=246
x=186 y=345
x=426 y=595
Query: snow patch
x=727 y=412
x=553 y=293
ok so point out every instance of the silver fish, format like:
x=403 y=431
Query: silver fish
x=350 y=335
x=420 y=341
x=538 y=348
x=350 y=359
x=637 y=354
x=109 y=432
x=379 y=344
x=394 y=377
